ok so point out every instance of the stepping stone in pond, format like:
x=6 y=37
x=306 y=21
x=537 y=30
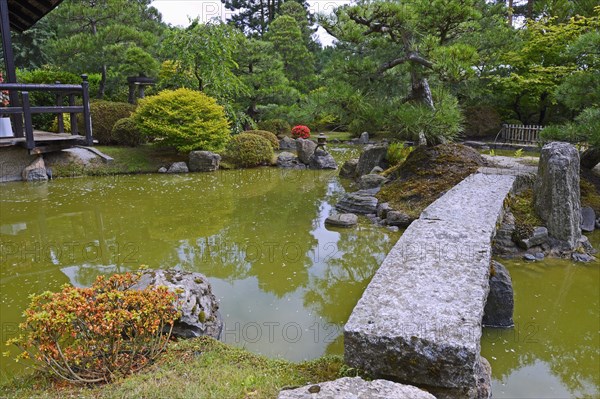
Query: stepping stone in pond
x=342 y=220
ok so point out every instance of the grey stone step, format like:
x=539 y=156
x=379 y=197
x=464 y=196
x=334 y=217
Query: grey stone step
x=419 y=320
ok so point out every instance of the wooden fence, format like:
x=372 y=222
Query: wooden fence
x=521 y=134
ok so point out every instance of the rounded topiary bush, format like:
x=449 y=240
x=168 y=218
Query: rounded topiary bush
x=185 y=119
x=277 y=126
x=247 y=150
x=104 y=116
x=267 y=135
x=126 y=132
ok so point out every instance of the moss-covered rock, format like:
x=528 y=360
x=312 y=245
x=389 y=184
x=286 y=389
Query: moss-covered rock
x=590 y=190
x=426 y=174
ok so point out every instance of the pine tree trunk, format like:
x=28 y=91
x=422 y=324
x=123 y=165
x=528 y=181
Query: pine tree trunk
x=590 y=158
x=420 y=91
x=102 y=86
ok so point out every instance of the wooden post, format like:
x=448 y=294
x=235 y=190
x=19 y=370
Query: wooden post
x=28 y=124
x=87 y=119
x=60 y=118
x=9 y=64
x=131 y=97
x=74 y=128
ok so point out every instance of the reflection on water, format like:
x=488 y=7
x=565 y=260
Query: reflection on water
x=554 y=349
x=286 y=283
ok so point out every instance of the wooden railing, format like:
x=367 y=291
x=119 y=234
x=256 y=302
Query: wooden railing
x=24 y=112
x=521 y=134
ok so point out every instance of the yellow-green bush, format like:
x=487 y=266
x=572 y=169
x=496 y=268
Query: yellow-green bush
x=247 y=150
x=267 y=135
x=126 y=132
x=184 y=119
x=277 y=126
x=397 y=153
x=66 y=122
x=104 y=116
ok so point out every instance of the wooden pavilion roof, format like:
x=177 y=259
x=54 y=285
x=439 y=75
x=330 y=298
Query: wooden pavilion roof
x=23 y=14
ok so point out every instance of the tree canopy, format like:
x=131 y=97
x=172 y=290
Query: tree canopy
x=407 y=68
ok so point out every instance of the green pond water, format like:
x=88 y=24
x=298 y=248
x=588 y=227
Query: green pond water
x=285 y=282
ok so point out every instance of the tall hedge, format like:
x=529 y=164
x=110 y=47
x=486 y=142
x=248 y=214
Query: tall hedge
x=185 y=119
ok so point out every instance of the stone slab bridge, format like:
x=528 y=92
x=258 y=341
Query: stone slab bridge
x=419 y=320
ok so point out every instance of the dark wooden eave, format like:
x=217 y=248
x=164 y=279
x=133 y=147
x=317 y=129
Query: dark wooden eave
x=23 y=14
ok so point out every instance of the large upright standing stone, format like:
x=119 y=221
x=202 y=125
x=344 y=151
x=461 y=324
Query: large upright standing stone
x=305 y=149
x=556 y=193
x=372 y=156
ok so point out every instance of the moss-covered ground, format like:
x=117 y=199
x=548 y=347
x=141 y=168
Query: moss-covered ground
x=143 y=159
x=426 y=174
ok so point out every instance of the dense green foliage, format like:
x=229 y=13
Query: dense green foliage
x=126 y=132
x=585 y=129
x=184 y=119
x=402 y=68
x=107 y=37
x=104 y=116
x=248 y=150
x=277 y=126
x=267 y=135
x=49 y=75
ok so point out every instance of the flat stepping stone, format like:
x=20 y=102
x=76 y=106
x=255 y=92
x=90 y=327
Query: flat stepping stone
x=355 y=388
x=362 y=202
x=342 y=220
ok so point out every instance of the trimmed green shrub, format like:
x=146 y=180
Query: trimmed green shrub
x=248 y=150
x=277 y=126
x=267 y=135
x=104 y=116
x=184 y=119
x=126 y=132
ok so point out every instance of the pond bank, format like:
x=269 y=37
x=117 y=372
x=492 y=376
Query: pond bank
x=191 y=369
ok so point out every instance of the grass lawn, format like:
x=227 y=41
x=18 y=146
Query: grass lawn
x=143 y=159
x=196 y=368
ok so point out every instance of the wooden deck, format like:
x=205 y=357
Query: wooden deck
x=45 y=141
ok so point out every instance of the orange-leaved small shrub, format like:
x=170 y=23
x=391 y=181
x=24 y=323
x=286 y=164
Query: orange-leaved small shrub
x=91 y=335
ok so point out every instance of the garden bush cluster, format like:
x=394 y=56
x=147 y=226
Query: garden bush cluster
x=104 y=116
x=300 y=132
x=267 y=135
x=277 y=126
x=91 y=335
x=184 y=119
x=126 y=132
x=248 y=150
